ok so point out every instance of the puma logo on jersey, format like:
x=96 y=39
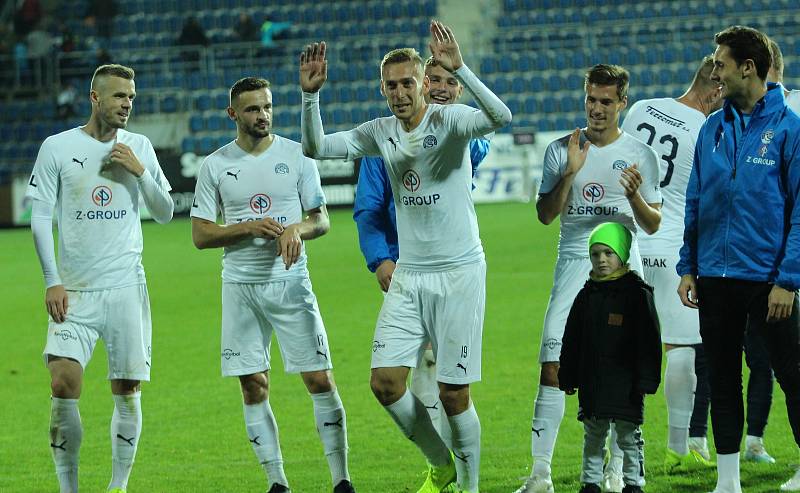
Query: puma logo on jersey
x=459 y=365
x=75 y=160
x=322 y=354
x=393 y=142
x=234 y=175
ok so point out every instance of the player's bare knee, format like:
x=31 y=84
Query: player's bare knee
x=255 y=388
x=549 y=375
x=455 y=398
x=64 y=387
x=386 y=388
x=318 y=381
x=125 y=387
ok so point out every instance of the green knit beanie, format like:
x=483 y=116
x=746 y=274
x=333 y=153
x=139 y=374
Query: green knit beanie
x=615 y=236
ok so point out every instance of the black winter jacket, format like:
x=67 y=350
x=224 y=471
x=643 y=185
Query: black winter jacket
x=611 y=349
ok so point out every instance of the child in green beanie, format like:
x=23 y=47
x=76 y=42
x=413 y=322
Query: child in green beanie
x=611 y=354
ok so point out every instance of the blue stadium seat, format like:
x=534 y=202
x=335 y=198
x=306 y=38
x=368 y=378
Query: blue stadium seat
x=197 y=123
x=188 y=144
x=213 y=123
x=203 y=102
x=207 y=145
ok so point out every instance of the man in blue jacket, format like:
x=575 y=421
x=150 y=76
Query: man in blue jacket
x=740 y=258
x=374 y=214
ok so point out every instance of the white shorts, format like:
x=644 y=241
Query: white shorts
x=680 y=325
x=445 y=308
x=121 y=317
x=250 y=312
x=569 y=277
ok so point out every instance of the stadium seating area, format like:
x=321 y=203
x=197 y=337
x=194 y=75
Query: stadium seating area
x=538 y=53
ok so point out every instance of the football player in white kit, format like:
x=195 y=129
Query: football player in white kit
x=260 y=184
x=670 y=126
x=93 y=177
x=437 y=292
x=595 y=175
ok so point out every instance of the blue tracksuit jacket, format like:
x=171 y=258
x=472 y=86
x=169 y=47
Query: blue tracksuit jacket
x=742 y=219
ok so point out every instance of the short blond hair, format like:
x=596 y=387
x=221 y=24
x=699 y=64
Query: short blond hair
x=112 y=70
x=402 y=55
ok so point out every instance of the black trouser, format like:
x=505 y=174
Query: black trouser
x=726 y=307
x=759 y=385
x=698 y=426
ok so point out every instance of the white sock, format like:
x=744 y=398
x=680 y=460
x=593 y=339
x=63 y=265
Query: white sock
x=332 y=427
x=66 y=434
x=680 y=382
x=728 y=473
x=467 y=447
x=548 y=411
x=410 y=415
x=426 y=388
x=262 y=431
x=615 y=454
x=126 y=427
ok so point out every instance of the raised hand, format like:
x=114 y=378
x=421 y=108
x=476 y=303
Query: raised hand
x=444 y=47
x=631 y=180
x=313 y=67
x=576 y=154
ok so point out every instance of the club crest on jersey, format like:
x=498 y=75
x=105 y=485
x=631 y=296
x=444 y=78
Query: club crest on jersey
x=593 y=192
x=619 y=164
x=101 y=195
x=411 y=180
x=260 y=203
x=767 y=136
x=281 y=169
x=430 y=141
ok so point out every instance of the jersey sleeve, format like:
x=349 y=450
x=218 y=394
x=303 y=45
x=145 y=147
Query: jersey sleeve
x=551 y=172
x=310 y=186
x=206 y=194
x=649 y=168
x=350 y=144
x=44 y=181
x=153 y=166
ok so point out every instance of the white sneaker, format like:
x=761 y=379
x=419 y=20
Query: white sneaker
x=537 y=484
x=793 y=484
x=756 y=452
x=612 y=482
x=700 y=445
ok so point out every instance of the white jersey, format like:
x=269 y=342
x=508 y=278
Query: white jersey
x=671 y=129
x=431 y=176
x=793 y=100
x=279 y=183
x=99 y=230
x=596 y=196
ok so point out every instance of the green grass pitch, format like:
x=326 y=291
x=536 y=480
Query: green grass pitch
x=193 y=437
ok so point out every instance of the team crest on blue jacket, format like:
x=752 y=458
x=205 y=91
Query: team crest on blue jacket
x=767 y=136
x=430 y=141
x=281 y=169
x=619 y=164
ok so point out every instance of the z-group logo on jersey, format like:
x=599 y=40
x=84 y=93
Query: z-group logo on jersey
x=101 y=195
x=281 y=169
x=593 y=192
x=260 y=203
x=430 y=141
x=411 y=180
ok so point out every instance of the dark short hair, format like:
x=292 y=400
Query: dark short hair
x=112 y=70
x=747 y=43
x=777 y=59
x=608 y=75
x=401 y=55
x=248 y=84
